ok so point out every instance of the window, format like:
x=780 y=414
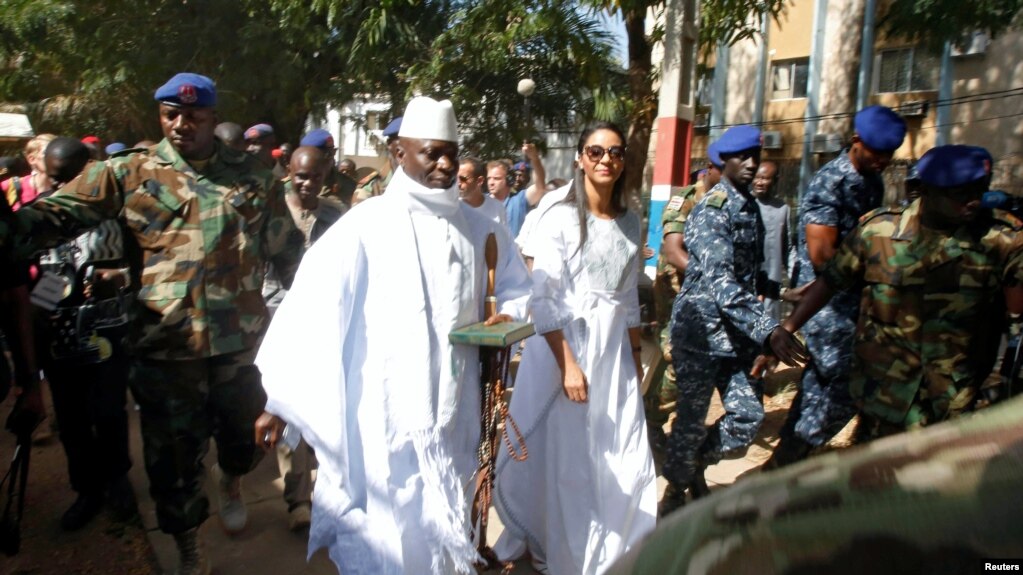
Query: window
x=789 y=78
x=705 y=88
x=373 y=121
x=907 y=70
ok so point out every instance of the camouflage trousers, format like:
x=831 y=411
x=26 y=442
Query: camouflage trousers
x=691 y=443
x=823 y=405
x=659 y=399
x=183 y=403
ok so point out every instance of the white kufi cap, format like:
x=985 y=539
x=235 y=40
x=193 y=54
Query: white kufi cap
x=428 y=119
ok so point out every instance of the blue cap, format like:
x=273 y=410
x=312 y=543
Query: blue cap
x=737 y=139
x=318 y=139
x=954 y=166
x=259 y=131
x=520 y=167
x=392 y=129
x=994 y=199
x=880 y=128
x=714 y=156
x=114 y=148
x=187 y=89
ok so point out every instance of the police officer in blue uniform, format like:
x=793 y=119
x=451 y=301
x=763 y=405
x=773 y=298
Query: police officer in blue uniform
x=839 y=193
x=718 y=324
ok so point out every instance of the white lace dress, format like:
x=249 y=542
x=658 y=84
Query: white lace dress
x=586 y=493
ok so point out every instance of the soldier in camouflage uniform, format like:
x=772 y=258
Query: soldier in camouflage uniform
x=938 y=274
x=659 y=400
x=840 y=192
x=945 y=500
x=718 y=324
x=202 y=221
x=336 y=186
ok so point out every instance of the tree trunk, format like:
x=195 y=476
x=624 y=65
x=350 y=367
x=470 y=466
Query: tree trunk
x=644 y=100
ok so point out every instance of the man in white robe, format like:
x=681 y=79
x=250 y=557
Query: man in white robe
x=357 y=358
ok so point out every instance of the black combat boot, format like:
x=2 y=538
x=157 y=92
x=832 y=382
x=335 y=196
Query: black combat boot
x=674 y=498
x=192 y=558
x=82 y=511
x=790 y=450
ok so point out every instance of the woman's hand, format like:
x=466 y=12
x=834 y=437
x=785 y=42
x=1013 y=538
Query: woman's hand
x=574 y=381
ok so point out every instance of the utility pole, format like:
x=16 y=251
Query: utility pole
x=866 y=56
x=813 y=91
x=943 y=116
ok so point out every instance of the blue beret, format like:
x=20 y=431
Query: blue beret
x=738 y=139
x=259 y=131
x=714 y=156
x=880 y=128
x=994 y=199
x=114 y=148
x=318 y=139
x=187 y=89
x=954 y=166
x=392 y=129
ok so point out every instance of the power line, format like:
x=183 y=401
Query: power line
x=966 y=99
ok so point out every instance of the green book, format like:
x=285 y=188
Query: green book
x=497 y=335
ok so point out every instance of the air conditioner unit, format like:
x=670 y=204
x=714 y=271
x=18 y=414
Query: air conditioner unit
x=772 y=140
x=826 y=143
x=972 y=44
x=701 y=122
x=914 y=109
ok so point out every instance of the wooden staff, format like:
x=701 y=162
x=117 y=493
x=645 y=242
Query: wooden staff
x=494 y=410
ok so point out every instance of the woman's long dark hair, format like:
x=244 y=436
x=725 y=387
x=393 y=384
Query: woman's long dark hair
x=577 y=195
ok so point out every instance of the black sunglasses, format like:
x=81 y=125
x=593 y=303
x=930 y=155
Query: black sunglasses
x=596 y=153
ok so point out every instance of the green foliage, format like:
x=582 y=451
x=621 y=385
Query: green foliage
x=491 y=45
x=92 y=66
x=731 y=21
x=933 y=22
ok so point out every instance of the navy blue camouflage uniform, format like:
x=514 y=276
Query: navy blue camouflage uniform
x=718 y=328
x=837 y=196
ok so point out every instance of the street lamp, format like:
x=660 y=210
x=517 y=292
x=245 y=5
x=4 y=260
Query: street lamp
x=526 y=88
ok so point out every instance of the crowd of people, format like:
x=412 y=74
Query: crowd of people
x=271 y=298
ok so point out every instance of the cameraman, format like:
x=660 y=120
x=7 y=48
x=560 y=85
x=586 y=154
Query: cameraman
x=80 y=351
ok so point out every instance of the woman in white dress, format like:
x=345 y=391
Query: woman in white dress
x=586 y=493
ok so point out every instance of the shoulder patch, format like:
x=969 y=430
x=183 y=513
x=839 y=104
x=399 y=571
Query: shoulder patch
x=675 y=203
x=1007 y=218
x=717 y=199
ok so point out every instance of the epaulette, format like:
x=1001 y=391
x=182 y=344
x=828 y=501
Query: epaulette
x=883 y=210
x=717 y=199
x=1007 y=218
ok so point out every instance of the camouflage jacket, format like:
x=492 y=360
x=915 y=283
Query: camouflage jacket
x=197 y=243
x=837 y=196
x=931 y=302
x=673 y=221
x=943 y=500
x=717 y=310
